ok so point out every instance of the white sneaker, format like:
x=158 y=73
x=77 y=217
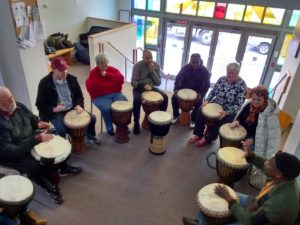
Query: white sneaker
x=192 y=125
x=175 y=120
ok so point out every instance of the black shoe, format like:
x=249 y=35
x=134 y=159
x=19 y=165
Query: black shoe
x=69 y=170
x=92 y=141
x=189 y=221
x=111 y=133
x=136 y=129
x=55 y=195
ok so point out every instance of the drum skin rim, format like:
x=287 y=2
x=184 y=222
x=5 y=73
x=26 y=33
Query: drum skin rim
x=122 y=110
x=24 y=201
x=169 y=121
x=209 y=116
x=231 y=165
x=149 y=100
x=230 y=138
x=71 y=126
x=187 y=99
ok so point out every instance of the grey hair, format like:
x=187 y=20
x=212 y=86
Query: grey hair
x=101 y=58
x=233 y=66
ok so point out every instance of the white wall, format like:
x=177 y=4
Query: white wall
x=124 y=4
x=68 y=16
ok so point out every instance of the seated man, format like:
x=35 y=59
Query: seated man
x=229 y=92
x=104 y=86
x=18 y=137
x=58 y=93
x=27 y=217
x=145 y=76
x=278 y=200
x=193 y=76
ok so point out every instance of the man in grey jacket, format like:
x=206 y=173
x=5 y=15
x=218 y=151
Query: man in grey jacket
x=145 y=77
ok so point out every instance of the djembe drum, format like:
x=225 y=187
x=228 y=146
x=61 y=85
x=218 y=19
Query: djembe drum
x=186 y=100
x=211 y=113
x=121 y=112
x=231 y=136
x=231 y=165
x=151 y=101
x=77 y=124
x=214 y=208
x=159 y=123
x=15 y=193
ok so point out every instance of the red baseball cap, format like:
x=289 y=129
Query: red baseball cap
x=59 y=63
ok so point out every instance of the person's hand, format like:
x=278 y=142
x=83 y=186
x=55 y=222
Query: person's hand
x=148 y=87
x=204 y=104
x=59 y=108
x=246 y=147
x=43 y=125
x=235 y=123
x=151 y=67
x=223 y=192
x=103 y=73
x=43 y=137
x=78 y=109
x=222 y=115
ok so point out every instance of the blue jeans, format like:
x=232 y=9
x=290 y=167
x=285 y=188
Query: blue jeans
x=5 y=220
x=103 y=103
x=243 y=203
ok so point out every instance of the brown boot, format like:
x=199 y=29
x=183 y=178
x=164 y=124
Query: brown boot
x=30 y=218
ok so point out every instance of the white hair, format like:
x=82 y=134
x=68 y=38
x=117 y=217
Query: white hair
x=233 y=66
x=101 y=58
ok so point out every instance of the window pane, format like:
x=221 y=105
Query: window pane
x=220 y=10
x=173 y=6
x=140 y=22
x=139 y=4
x=153 y=5
x=189 y=7
x=152 y=30
x=294 y=18
x=254 y=14
x=206 y=9
x=284 y=48
x=235 y=12
x=274 y=16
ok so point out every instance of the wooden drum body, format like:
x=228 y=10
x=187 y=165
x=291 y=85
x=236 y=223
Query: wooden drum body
x=77 y=124
x=186 y=100
x=214 y=208
x=231 y=136
x=231 y=165
x=121 y=112
x=211 y=113
x=151 y=101
x=159 y=123
x=15 y=193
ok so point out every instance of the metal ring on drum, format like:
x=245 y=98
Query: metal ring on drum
x=121 y=112
x=151 y=101
x=159 y=124
x=231 y=165
x=211 y=113
x=214 y=208
x=77 y=124
x=231 y=136
x=15 y=193
x=186 y=99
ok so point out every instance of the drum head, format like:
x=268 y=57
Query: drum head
x=211 y=204
x=121 y=106
x=187 y=94
x=152 y=96
x=73 y=119
x=212 y=110
x=15 y=190
x=57 y=148
x=233 y=133
x=160 y=118
x=232 y=156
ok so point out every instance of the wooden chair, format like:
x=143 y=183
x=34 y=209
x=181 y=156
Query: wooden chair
x=285 y=120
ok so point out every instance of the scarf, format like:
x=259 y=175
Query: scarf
x=255 y=110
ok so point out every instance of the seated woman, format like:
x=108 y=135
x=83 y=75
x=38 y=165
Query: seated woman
x=229 y=92
x=104 y=85
x=259 y=116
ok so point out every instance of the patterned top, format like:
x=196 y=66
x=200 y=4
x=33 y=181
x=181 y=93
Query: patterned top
x=229 y=95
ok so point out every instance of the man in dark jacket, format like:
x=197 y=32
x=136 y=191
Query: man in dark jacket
x=193 y=76
x=58 y=93
x=278 y=200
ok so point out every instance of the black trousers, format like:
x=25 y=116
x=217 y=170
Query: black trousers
x=137 y=102
x=213 y=132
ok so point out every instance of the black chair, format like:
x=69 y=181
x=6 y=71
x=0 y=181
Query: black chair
x=83 y=38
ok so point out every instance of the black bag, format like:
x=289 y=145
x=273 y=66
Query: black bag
x=82 y=54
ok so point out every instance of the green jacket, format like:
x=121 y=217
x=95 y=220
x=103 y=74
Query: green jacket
x=17 y=136
x=280 y=206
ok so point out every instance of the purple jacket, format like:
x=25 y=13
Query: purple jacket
x=198 y=80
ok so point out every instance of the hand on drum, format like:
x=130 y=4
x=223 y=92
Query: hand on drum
x=222 y=115
x=148 y=87
x=58 y=108
x=43 y=137
x=43 y=125
x=204 y=104
x=78 y=109
x=235 y=123
x=222 y=191
x=246 y=147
